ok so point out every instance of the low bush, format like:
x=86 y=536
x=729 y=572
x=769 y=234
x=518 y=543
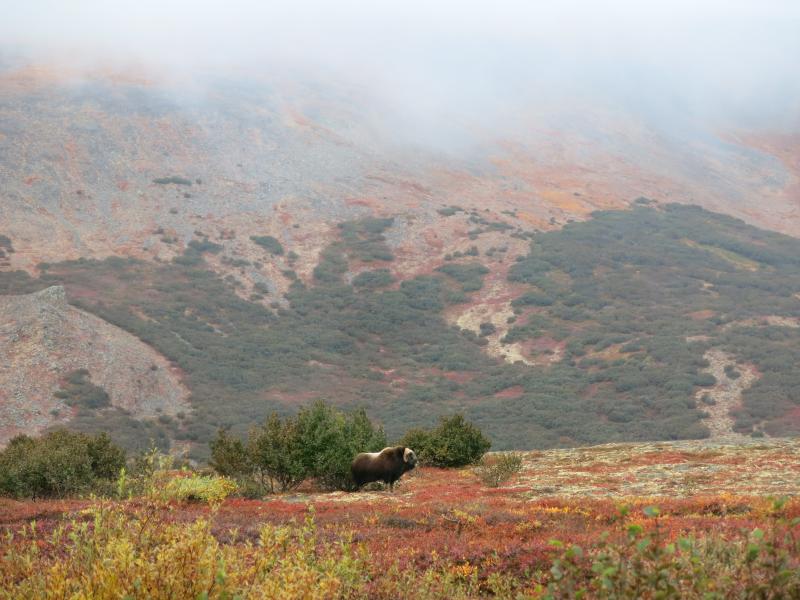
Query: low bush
x=455 y=442
x=646 y=564
x=172 y=179
x=140 y=555
x=269 y=243
x=469 y=275
x=198 y=488
x=58 y=464
x=498 y=468
x=319 y=443
x=373 y=279
x=78 y=391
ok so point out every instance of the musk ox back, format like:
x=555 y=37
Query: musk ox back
x=387 y=465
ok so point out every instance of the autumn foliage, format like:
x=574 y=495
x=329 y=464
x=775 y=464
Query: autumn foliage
x=706 y=522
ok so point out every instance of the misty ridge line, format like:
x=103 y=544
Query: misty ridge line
x=447 y=64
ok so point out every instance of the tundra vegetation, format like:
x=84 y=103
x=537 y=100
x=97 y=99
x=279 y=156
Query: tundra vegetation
x=444 y=535
x=175 y=179
x=620 y=309
x=61 y=463
x=316 y=446
x=269 y=243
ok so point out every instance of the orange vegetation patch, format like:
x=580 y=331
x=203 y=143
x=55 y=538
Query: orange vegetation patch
x=368 y=202
x=446 y=517
x=458 y=376
x=701 y=315
x=544 y=343
x=433 y=240
x=15 y=511
x=515 y=391
x=572 y=495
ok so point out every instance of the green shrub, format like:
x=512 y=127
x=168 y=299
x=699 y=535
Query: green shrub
x=79 y=392
x=453 y=443
x=469 y=275
x=5 y=243
x=731 y=372
x=229 y=457
x=449 y=211
x=205 y=245
x=487 y=329
x=58 y=464
x=363 y=239
x=275 y=454
x=320 y=443
x=373 y=279
x=498 y=468
x=173 y=179
x=332 y=265
x=197 y=488
x=328 y=441
x=269 y=243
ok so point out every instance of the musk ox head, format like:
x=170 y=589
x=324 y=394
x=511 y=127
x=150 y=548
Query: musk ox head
x=409 y=458
x=388 y=465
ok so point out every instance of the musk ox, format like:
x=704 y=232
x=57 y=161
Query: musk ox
x=387 y=465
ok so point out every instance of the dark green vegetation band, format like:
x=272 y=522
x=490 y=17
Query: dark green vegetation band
x=632 y=280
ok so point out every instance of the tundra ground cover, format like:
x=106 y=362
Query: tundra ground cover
x=558 y=529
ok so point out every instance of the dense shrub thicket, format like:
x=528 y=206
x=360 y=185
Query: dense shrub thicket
x=453 y=443
x=658 y=287
x=60 y=463
x=320 y=443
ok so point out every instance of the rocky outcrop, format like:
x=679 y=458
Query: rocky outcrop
x=43 y=338
x=725 y=395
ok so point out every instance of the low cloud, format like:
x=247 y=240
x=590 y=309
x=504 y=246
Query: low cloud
x=717 y=62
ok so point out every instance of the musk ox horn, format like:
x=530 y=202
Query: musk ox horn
x=388 y=465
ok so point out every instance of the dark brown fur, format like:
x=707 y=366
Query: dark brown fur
x=388 y=465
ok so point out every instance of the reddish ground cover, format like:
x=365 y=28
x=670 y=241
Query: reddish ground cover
x=569 y=495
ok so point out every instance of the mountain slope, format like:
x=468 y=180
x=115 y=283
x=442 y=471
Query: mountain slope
x=277 y=243
x=608 y=331
x=43 y=340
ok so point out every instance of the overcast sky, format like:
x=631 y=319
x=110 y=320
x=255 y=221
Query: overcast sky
x=728 y=59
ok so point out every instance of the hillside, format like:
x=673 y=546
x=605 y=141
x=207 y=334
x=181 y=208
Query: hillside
x=277 y=242
x=661 y=322
x=114 y=164
x=45 y=343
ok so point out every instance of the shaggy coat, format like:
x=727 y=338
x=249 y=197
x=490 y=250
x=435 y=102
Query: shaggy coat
x=387 y=465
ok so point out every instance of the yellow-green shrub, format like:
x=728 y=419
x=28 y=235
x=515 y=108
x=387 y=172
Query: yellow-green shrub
x=199 y=488
x=120 y=555
x=498 y=468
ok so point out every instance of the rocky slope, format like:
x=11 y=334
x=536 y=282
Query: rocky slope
x=43 y=339
x=79 y=161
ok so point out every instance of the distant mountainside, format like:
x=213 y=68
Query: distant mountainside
x=48 y=345
x=660 y=322
x=274 y=244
